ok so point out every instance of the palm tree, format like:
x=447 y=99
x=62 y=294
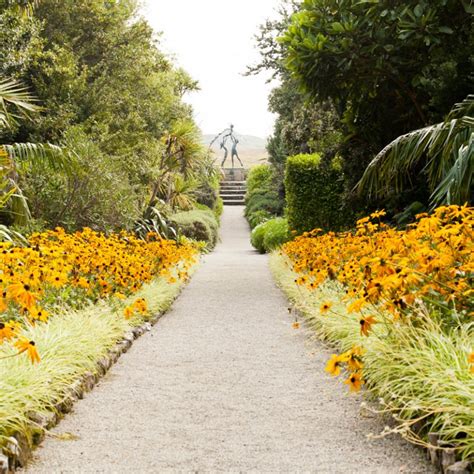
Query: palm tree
x=183 y=155
x=17 y=103
x=445 y=149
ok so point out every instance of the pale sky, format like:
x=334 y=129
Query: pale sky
x=213 y=41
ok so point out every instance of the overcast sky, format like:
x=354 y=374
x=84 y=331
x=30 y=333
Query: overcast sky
x=213 y=41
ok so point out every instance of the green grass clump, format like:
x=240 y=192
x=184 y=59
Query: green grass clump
x=70 y=345
x=418 y=372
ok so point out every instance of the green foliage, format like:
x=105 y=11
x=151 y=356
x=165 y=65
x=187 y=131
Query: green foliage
x=446 y=150
x=200 y=225
x=105 y=87
x=262 y=198
x=219 y=208
x=257 y=217
x=259 y=177
x=155 y=221
x=270 y=234
x=384 y=68
x=314 y=194
x=276 y=233
x=257 y=236
x=98 y=195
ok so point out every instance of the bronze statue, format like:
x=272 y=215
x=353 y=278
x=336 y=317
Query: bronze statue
x=234 y=151
x=228 y=133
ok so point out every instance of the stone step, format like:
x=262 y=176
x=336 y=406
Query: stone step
x=234 y=203
x=232 y=197
x=233 y=183
x=233 y=191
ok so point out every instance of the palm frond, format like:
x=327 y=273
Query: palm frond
x=10 y=235
x=41 y=155
x=14 y=95
x=456 y=187
x=437 y=146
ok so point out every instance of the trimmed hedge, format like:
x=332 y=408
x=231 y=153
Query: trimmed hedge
x=198 y=224
x=314 y=194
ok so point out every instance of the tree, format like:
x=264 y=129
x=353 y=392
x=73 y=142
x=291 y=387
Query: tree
x=105 y=89
x=389 y=67
x=303 y=124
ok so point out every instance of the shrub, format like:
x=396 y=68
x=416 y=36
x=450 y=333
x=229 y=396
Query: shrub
x=262 y=202
x=314 y=194
x=259 y=176
x=198 y=224
x=262 y=199
x=276 y=233
x=270 y=234
x=258 y=217
x=99 y=194
x=219 y=208
x=207 y=192
x=257 y=236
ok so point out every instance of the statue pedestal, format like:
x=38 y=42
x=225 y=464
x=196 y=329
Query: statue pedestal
x=235 y=174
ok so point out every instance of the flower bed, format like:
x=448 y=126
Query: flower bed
x=68 y=299
x=399 y=304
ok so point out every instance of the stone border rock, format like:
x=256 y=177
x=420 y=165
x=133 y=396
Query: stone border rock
x=18 y=449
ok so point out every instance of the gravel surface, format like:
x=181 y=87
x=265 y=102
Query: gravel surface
x=223 y=383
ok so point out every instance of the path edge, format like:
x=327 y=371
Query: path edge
x=18 y=450
x=440 y=455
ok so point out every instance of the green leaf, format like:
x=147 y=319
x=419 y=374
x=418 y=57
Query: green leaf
x=446 y=29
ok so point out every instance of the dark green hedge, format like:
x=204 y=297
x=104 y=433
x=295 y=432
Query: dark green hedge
x=314 y=194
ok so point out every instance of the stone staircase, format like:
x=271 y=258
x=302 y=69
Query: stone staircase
x=233 y=193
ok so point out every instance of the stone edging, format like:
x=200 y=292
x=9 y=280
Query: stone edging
x=18 y=450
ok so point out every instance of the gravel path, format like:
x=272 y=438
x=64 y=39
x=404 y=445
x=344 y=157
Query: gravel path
x=223 y=383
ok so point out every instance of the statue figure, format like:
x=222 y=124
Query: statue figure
x=228 y=133
x=225 y=152
x=234 y=151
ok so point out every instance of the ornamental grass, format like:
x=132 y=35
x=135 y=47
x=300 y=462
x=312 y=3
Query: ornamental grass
x=70 y=344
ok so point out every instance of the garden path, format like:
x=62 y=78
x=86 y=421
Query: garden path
x=223 y=383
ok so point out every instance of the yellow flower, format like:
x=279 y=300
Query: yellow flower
x=354 y=358
x=354 y=381
x=141 y=306
x=25 y=345
x=325 y=307
x=295 y=325
x=7 y=332
x=357 y=305
x=366 y=325
x=129 y=311
x=470 y=359
x=39 y=314
x=333 y=366
x=21 y=294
